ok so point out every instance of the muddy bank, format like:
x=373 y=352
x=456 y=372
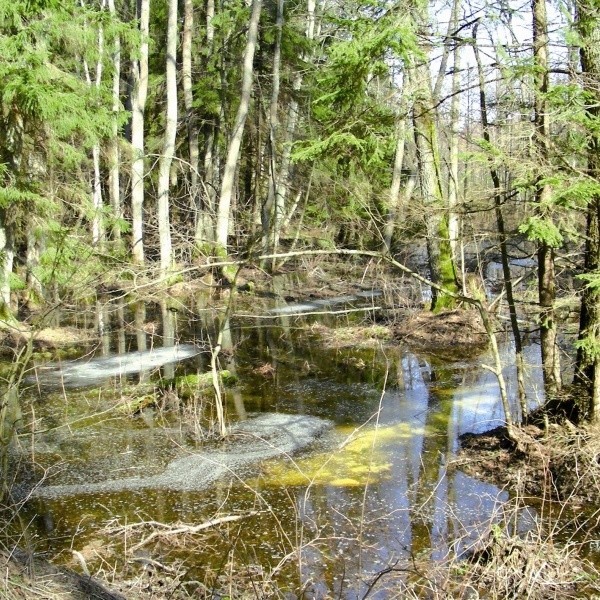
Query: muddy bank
x=560 y=463
x=250 y=442
x=448 y=334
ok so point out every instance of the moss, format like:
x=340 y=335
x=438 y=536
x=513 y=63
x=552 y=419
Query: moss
x=447 y=271
x=227 y=272
x=189 y=385
x=137 y=404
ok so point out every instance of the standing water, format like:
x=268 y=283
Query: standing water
x=334 y=473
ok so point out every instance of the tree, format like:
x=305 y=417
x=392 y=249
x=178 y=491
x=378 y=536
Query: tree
x=44 y=148
x=588 y=358
x=544 y=231
x=190 y=114
x=139 y=73
x=499 y=200
x=114 y=156
x=233 y=151
x=441 y=262
x=168 y=151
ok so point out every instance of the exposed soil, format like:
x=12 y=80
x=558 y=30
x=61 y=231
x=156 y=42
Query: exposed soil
x=560 y=463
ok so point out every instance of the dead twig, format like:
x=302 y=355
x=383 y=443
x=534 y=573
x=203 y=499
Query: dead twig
x=190 y=529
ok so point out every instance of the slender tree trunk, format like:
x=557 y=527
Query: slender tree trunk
x=587 y=370
x=164 y=172
x=283 y=183
x=395 y=201
x=7 y=255
x=272 y=210
x=97 y=200
x=546 y=272
x=233 y=152
x=502 y=237
x=188 y=99
x=439 y=252
x=205 y=219
x=453 y=183
x=114 y=159
x=139 y=68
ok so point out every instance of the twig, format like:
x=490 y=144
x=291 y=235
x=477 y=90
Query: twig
x=191 y=528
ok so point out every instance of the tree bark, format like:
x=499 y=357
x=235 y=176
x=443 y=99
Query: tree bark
x=283 y=182
x=168 y=151
x=205 y=218
x=587 y=371
x=453 y=183
x=139 y=68
x=114 y=159
x=188 y=99
x=233 y=152
x=272 y=215
x=439 y=252
x=7 y=255
x=546 y=271
x=97 y=200
x=395 y=207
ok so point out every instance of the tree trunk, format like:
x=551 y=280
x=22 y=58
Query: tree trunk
x=395 y=202
x=188 y=99
x=453 y=183
x=164 y=173
x=139 y=68
x=7 y=255
x=587 y=371
x=114 y=159
x=546 y=274
x=439 y=252
x=233 y=152
x=97 y=200
x=272 y=209
x=205 y=219
x=502 y=237
x=283 y=182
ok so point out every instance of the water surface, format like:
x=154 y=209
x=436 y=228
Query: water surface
x=370 y=492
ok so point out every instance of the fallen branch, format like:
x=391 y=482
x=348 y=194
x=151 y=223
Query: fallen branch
x=190 y=529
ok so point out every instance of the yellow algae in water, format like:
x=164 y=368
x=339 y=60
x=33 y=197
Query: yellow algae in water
x=360 y=458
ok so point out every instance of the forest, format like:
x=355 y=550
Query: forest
x=149 y=143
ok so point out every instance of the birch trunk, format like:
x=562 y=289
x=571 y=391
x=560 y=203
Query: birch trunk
x=97 y=200
x=453 y=185
x=283 y=183
x=114 y=159
x=188 y=99
x=233 y=152
x=139 y=68
x=168 y=151
x=7 y=255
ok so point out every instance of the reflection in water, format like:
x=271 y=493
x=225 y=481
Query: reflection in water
x=168 y=336
x=372 y=493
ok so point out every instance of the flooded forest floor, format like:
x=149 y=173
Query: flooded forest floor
x=553 y=467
